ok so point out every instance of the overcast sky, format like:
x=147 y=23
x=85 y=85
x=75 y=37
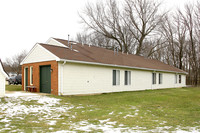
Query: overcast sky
x=23 y=23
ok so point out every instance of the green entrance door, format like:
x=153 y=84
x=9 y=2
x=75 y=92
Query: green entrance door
x=26 y=77
x=45 y=79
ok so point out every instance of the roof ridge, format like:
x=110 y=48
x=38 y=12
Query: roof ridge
x=107 y=56
x=52 y=45
x=103 y=48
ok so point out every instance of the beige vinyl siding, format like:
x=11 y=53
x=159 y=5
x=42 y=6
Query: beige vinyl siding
x=2 y=84
x=168 y=81
x=87 y=79
x=38 y=54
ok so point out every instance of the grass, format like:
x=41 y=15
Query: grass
x=171 y=106
x=13 y=88
x=176 y=107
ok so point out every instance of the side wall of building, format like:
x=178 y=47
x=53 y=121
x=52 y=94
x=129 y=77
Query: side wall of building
x=36 y=75
x=2 y=84
x=87 y=79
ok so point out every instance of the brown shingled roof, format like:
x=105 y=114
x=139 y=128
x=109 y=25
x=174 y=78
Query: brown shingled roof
x=95 y=54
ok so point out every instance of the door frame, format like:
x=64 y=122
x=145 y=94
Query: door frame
x=40 y=77
x=25 y=78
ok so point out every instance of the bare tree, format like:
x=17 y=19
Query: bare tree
x=105 y=19
x=96 y=39
x=128 y=26
x=142 y=19
x=83 y=38
x=188 y=19
x=174 y=32
x=12 y=65
x=139 y=27
x=180 y=39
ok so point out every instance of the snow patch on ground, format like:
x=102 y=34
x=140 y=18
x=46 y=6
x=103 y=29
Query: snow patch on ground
x=105 y=126
x=133 y=107
x=111 y=113
x=103 y=121
x=109 y=126
x=131 y=115
x=44 y=108
x=14 y=105
x=52 y=122
x=80 y=107
x=65 y=131
x=48 y=110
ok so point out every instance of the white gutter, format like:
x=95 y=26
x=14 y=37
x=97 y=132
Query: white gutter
x=101 y=64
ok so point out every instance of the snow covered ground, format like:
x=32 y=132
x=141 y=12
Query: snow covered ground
x=17 y=106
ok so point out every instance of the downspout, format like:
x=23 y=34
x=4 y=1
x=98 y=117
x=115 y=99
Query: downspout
x=62 y=77
x=64 y=62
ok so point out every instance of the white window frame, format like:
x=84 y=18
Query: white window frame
x=31 y=75
x=153 y=78
x=179 y=79
x=128 y=82
x=160 y=80
x=176 y=81
x=25 y=78
x=117 y=78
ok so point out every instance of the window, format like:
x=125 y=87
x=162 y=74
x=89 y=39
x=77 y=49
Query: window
x=153 y=78
x=160 y=78
x=179 y=78
x=31 y=75
x=116 y=77
x=127 y=78
x=175 y=79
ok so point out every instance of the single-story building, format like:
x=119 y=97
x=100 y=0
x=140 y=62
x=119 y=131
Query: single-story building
x=3 y=76
x=61 y=67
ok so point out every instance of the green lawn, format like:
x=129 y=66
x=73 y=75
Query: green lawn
x=168 y=109
x=13 y=87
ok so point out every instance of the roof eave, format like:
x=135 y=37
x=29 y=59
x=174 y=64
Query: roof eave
x=114 y=65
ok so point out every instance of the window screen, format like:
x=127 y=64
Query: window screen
x=160 y=78
x=127 y=77
x=116 y=77
x=153 y=78
x=179 y=78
